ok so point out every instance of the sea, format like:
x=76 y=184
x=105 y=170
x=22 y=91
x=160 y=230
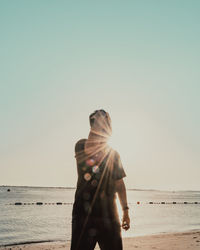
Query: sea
x=40 y=214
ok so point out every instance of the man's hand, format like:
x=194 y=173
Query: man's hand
x=125 y=220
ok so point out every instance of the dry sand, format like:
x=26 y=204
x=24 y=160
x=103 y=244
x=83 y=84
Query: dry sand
x=189 y=240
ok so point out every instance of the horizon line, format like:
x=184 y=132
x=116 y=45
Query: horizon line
x=130 y=189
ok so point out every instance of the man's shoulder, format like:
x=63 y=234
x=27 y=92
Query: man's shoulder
x=115 y=153
x=81 y=141
x=80 y=145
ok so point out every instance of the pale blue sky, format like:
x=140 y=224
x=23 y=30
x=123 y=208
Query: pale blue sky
x=139 y=60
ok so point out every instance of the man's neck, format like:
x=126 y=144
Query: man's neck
x=96 y=138
x=95 y=143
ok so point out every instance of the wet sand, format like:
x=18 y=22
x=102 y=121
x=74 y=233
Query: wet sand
x=189 y=240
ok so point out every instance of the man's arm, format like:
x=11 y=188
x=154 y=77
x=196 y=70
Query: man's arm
x=121 y=190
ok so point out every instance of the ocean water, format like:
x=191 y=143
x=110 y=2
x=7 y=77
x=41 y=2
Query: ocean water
x=52 y=222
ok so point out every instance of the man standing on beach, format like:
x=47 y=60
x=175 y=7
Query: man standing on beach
x=100 y=177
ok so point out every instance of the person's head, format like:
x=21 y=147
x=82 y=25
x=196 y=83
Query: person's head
x=100 y=123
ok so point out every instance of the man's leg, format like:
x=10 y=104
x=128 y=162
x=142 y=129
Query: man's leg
x=82 y=238
x=109 y=236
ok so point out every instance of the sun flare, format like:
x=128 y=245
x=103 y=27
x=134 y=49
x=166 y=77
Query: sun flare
x=113 y=142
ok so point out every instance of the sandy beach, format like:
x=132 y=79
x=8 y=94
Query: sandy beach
x=189 y=240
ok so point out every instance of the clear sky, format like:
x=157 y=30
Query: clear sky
x=138 y=60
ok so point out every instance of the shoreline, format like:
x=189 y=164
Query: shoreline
x=189 y=240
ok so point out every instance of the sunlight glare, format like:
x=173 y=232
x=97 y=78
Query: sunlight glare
x=112 y=142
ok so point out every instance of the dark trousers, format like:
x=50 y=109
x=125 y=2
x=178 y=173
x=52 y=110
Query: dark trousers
x=105 y=232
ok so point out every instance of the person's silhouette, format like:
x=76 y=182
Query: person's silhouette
x=100 y=177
